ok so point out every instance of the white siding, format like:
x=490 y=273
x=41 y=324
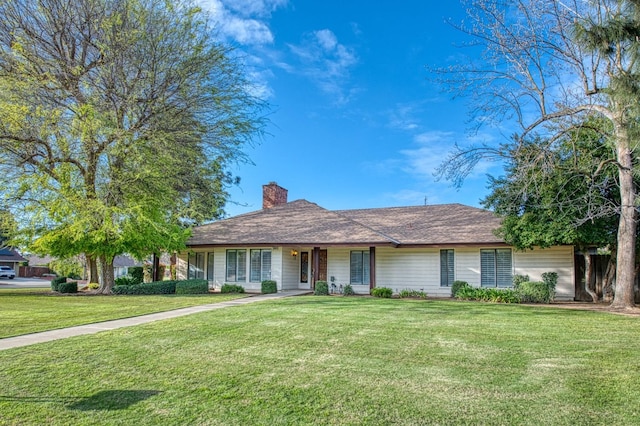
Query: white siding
x=181 y=266
x=291 y=269
x=410 y=269
x=467 y=263
x=554 y=259
x=399 y=269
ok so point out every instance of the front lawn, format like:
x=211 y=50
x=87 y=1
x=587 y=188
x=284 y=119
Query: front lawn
x=25 y=311
x=335 y=360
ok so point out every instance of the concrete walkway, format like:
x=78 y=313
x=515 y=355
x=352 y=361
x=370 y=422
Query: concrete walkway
x=63 y=333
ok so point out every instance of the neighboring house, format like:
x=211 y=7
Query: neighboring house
x=11 y=258
x=121 y=263
x=422 y=248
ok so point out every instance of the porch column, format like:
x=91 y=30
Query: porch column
x=372 y=267
x=315 y=266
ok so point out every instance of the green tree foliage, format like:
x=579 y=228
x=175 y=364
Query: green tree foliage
x=559 y=192
x=118 y=119
x=548 y=67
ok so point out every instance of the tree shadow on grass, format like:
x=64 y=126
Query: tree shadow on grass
x=112 y=400
x=103 y=400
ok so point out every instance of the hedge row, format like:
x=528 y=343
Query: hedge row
x=192 y=287
x=156 y=287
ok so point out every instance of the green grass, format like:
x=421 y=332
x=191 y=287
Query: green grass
x=25 y=311
x=321 y=360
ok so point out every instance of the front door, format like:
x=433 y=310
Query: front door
x=322 y=267
x=319 y=266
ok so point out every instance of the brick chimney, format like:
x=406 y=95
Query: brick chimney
x=273 y=195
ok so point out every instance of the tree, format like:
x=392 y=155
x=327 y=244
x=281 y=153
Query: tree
x=548 y=66
x=548 y=186
x=7 y=227
x=118 y=119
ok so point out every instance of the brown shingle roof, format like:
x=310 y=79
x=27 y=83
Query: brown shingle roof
x=297 y=222
x=431 y=225
x=303 y=223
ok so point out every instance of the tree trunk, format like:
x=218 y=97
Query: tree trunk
x=92 y=269
x=106 y=274
x=587 y=276
x=626 y=251
x=608 y=280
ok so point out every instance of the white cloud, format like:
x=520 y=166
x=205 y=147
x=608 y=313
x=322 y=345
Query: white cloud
x=433 y=149
x=326 y=61
x=244 y=21
x=261 y=8
x=403 y=117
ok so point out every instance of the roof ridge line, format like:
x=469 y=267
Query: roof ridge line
x=390 y=239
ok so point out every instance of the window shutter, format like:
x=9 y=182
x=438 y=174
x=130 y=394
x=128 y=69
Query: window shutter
x=503 y=268
x=199 y=266
x=366 y=267
x=356 y=267
x=255 y=266
x=487 y=268
x=446 y=268
x=242 y=265
x=210 y=275
x=231 y=265
x=266 y=265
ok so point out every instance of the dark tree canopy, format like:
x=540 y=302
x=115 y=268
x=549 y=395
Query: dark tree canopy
x=548 y=67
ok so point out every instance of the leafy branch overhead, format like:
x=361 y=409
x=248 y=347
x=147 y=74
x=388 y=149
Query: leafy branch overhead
x=118 y=120
x=554 y=74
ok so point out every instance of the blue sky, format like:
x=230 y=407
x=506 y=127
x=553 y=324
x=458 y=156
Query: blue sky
x=356 y=120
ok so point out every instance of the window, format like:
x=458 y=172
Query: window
x=495 y=268
x=210 y=276
x=196 y=266
x=304 y=267
x=236 y=265
x=446 y=268
x=360 y=267
x=260 y=265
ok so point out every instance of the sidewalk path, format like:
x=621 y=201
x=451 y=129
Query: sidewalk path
x=63 y=333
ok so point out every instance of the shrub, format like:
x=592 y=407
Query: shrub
x=55 y=283
x=496 y=295
x=93 y=286
x=269 y=286
x=70 y=287
x=322 y=288
x=136 y=273
x=70 y=267
x=231 y=288
x=551 y=280
x=466 y=293
x=126 y=280
x=192 y=287
x=384 y=292
x=412 y=293
x=519 y=279
x=348 y=290
x=535 y=292
x=456 y=286
x=157 y=287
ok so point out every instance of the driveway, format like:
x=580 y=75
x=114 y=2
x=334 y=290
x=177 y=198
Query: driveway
x=19 y=282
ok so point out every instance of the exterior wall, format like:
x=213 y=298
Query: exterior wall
x=181 y=266
x=399 y=269
x=291 y=270
x=554 y=259
x=220 y=263
x=409 y=269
